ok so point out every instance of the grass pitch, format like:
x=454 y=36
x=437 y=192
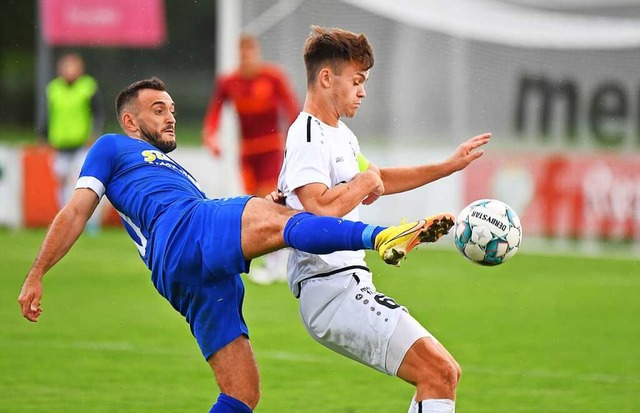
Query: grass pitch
x=537 y=334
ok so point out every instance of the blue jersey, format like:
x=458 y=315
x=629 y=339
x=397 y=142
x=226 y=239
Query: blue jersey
x=161 y=205
x=190 y=243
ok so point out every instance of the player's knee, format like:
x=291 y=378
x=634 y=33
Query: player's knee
x=440 y=372
x=458 y=371
x=454 y=372
x=450 y=371
x=449 y=374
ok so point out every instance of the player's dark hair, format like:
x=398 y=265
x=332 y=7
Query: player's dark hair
x=335 y=47
x=131 y=92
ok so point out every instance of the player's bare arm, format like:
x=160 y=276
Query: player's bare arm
x=339 y=200
x=63 y=233
x=210 y=140
x=211 y=124
x=403 y=179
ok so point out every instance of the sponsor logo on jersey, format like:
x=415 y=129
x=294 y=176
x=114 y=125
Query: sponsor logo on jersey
x=160 y=158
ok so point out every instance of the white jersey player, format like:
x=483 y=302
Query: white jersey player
x=325 y=173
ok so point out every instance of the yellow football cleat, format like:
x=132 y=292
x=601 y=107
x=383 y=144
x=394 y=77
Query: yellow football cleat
x=394 y=243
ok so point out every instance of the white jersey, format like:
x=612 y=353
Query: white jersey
x=339 y=304
x=318 y=153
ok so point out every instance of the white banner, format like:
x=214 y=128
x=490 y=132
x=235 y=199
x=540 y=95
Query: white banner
x=10 y=187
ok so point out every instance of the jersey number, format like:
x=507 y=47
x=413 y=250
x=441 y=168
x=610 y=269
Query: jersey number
x=386 y=301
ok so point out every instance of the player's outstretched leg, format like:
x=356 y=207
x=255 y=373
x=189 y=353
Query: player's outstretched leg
x=394 y=243
x=322 y=235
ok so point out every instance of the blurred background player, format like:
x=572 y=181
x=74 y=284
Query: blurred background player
x=265 y=105
x=73 y=119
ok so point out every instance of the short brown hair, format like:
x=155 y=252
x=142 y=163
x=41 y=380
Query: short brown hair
x=335 y=46
x=131 y=92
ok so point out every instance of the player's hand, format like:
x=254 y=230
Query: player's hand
x=215 y=149
x=30 y=297
x=468 y=152
x=377 y=186
x=370 y=199
x=211 y=142
x=276 y=196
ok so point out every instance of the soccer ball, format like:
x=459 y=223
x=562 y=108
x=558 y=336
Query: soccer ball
x=488 y=232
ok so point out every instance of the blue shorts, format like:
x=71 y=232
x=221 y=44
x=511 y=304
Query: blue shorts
x=201 y=269
x=213 y=311
x=205 y=245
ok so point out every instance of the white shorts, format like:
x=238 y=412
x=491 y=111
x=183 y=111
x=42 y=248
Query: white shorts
x=345 y=313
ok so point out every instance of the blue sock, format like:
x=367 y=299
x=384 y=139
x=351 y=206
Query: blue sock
x=322 y=235
x=227 y=404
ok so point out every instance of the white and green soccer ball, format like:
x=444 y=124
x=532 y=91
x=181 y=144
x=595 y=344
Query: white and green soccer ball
x=488 y=232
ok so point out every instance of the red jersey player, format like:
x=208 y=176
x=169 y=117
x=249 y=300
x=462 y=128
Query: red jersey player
x=261 y=95
x=263 y=101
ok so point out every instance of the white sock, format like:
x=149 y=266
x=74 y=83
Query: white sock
x=433 y=406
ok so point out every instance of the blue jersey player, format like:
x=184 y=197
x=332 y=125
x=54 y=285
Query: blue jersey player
x=195 y=247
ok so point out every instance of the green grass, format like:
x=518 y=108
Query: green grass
x=538 y=334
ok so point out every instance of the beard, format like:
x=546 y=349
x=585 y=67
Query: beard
x=155 y=138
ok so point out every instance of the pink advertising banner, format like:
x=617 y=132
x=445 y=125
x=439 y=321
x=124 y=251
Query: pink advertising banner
x=138 y=23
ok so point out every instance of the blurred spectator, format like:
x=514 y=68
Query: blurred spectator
x=265 y=105
x=73 y=119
